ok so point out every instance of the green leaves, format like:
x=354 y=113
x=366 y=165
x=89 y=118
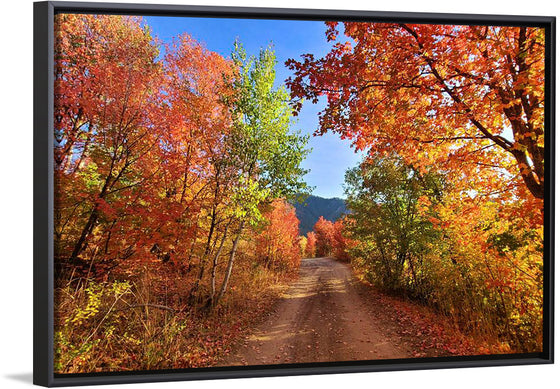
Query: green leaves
x=264 y=150
x=246 y=199
x=384 y=195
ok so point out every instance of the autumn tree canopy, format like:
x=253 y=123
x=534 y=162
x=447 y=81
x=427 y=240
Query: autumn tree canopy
x=311 y=245
x=457 y=96
x=324 y=231
x=278 y=244
x=452 y=187
x=165 y=158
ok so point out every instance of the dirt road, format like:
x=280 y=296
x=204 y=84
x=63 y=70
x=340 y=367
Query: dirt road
x=322 y=317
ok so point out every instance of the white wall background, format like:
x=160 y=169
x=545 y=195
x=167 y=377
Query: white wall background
x=16 y=215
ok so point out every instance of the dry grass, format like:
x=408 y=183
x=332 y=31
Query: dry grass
x=146 y=324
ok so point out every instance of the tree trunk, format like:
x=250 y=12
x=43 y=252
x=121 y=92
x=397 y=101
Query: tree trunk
x=230 y=263
x=90 y=224
x=204 y=258
x=215 y=264
x=88 y=228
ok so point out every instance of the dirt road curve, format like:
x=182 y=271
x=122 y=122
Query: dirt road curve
x=322 y=317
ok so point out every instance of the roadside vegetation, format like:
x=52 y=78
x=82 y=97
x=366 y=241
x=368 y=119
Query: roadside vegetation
x=447 y=206
x=174 y=167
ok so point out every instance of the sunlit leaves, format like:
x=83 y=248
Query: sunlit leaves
x=462 y=107
x=435 y=94
x=164 y=152
x=278 y=245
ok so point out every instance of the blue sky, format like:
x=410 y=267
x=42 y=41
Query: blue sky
x=330 y=156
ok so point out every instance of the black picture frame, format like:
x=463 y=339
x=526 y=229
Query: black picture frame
x=43 y=195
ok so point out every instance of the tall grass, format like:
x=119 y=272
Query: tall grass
x=144 y=322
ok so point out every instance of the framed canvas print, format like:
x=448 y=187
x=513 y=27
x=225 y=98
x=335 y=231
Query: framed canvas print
x=229 y=192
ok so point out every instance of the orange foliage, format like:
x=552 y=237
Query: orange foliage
x=311 y=247
x=324 y=230
x=465 y=103
x=277 y=246
x=330 y=239
x=135 y=139
x=475 y=110
x=341 y=242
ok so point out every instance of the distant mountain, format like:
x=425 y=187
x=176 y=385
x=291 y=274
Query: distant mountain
x=309 y=212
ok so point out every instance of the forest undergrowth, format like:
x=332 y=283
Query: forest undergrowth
x=146 y=323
